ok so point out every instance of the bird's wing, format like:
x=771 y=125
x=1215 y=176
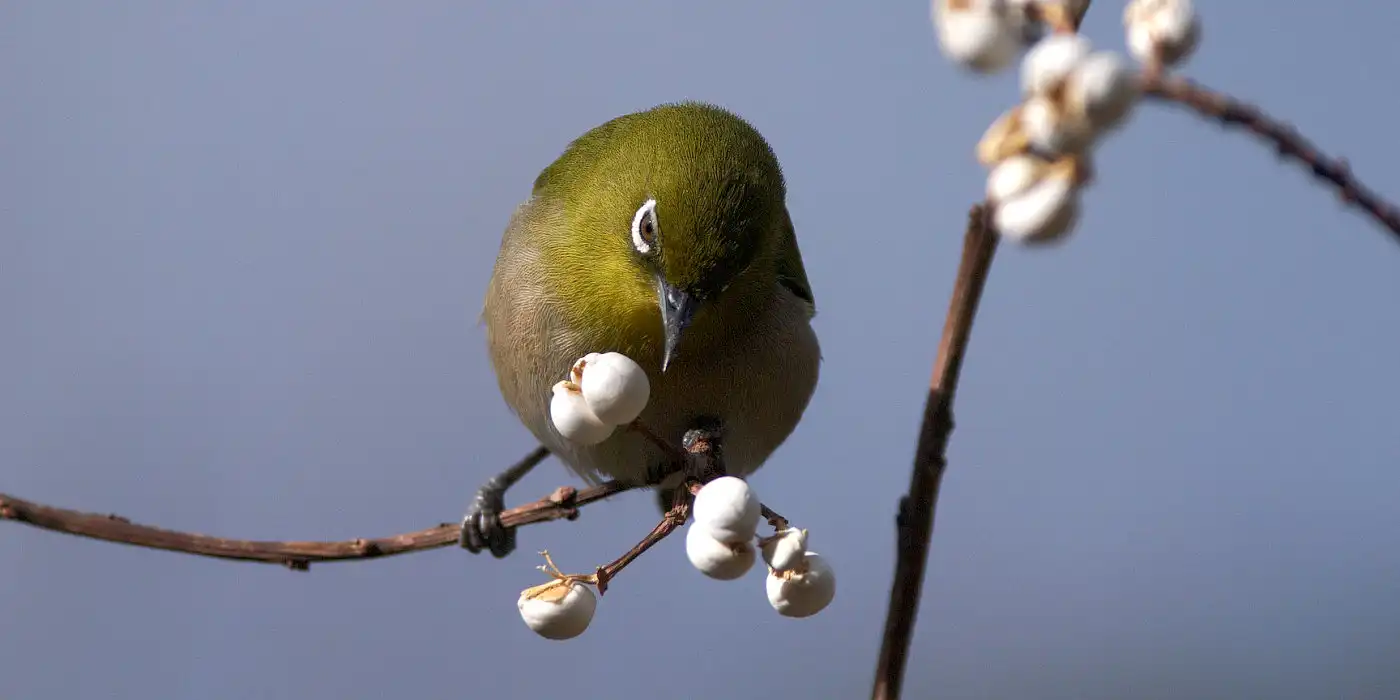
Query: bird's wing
x=791 y=273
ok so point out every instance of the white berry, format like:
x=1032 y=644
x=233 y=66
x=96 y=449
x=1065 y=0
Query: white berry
x=573 y=418
x=1013 y=176
x=559 y=609
x=805 y=591
x=576 y=371
x=728 y=509
x=725 y=561
x=1045 y=212
x=1050 y=61
x=1104 y=89
x=786 y=550
x=981 y=35
x=615 y=387
x=1165 y=31
x=1052 y=129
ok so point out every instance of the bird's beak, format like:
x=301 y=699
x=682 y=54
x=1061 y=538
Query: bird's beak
x=677 y=309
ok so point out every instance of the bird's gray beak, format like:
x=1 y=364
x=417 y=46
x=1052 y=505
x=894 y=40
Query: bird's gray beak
x=677 y=309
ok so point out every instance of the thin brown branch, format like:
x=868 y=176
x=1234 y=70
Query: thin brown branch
x=914 y=523
x=704 y=457
x=670 y=522
x=563 y=503
x=778 y=522
x=704 y=462
x=1285 y=139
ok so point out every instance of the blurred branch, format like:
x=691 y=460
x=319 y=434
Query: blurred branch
x=915 y=519
x=563 y=503
x=914 y=523
x=1285 y=139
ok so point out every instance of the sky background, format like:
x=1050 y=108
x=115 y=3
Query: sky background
x=243 y=250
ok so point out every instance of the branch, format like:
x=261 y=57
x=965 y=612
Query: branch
x=704 y=463
x=914 y=523
x=700 y=456
x=563 y=503
x=703 y=460
x=917 y=508
x=1288 y=142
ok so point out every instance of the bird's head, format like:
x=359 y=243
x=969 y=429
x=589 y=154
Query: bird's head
x=669 y=214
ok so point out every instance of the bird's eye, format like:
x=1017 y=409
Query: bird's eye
x=644 y=227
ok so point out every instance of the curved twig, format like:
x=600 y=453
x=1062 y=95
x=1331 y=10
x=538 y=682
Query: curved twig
x=563 y=503
x=1286 y=140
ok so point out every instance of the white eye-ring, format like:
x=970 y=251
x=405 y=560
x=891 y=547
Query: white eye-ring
x=644 y=227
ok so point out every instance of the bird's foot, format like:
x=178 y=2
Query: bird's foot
x=701 y=462
x=481 y=526
x=705 y=458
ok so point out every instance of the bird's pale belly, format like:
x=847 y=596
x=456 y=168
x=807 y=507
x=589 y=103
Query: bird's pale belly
x=758 y=388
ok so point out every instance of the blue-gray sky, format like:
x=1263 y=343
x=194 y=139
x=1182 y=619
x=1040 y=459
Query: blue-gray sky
x=244 y=246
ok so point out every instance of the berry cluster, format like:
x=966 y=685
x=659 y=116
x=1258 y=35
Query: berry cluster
x=606 y=390
x=1039 y=152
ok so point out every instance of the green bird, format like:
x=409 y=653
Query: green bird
x=663 y=235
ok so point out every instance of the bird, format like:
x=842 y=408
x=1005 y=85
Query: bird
x=664 y=235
